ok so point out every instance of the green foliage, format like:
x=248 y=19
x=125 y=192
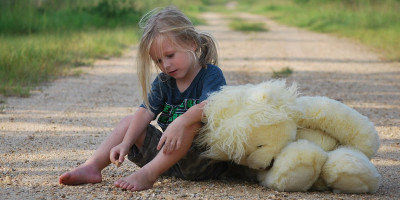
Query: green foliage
x=43 y=39
x=26 y=61
x=27 y=17
x=372 y=22
x=114 y=8
x=2 y=107
x=247 y=26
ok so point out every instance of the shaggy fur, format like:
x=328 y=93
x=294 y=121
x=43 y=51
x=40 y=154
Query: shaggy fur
x=237 y=113
x=266 y=142
x=350 y=171
x=296 y=168
x=320 y=138
x=339 y=121
x=253 y=125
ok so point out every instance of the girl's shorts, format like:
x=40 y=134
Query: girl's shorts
x=192 y=166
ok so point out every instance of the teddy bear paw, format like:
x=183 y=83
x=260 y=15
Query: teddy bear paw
x=350 y=171
x=296 y=168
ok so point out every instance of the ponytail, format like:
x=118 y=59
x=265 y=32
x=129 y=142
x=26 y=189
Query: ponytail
x=208 y=52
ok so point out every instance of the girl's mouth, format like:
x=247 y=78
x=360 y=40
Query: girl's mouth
x=172 y=72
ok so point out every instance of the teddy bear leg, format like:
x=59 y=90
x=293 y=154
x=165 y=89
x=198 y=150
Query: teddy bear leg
x=296 y=168
x=260 y=159
x=350 y=171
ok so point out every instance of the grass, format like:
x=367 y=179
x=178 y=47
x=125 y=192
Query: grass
x=373 y=23
x=238 y=24
x=42 y=40
x=2 y=105
x=27 y=61
x=283 y=73
x=2 y=108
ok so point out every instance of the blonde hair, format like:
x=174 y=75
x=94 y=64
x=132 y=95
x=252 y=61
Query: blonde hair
x=171 y=23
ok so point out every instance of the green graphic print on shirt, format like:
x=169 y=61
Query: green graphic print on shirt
x=171 y=112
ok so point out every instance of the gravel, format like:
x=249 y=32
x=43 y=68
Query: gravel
x=62 y=123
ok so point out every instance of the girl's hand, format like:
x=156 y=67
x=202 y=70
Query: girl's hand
x=118 y=153
x=172 y=137
x=178 y=132
x=182 y=129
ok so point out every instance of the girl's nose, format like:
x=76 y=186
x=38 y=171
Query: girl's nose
x=166 y=64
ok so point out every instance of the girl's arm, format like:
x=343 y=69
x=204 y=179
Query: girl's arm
x=182 y=128
x=141 y=119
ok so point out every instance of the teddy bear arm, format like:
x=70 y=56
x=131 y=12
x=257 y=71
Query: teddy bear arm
x=259 y=159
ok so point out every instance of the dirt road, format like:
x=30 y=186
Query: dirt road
x=60 y=125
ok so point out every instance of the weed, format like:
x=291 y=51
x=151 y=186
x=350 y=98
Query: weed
x=246 y=26
x=2 y=105
x=283 y=73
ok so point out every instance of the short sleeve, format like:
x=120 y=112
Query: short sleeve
x=156 y=97
x=213 y=82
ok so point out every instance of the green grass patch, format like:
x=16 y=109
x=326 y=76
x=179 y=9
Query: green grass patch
x=26 y=61
x=2 y=108
x=374 y=23
x=238 y=24
x=283 y=73
x=42 y=40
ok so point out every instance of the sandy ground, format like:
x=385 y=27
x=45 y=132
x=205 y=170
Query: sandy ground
x=60 y=125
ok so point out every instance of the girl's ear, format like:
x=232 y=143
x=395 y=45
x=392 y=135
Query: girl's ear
x=193 y=46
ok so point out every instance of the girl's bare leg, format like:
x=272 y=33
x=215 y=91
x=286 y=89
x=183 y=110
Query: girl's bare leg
x=146 y=176
x=90 y=171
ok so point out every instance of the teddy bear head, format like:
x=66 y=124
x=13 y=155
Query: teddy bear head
x=246 y=121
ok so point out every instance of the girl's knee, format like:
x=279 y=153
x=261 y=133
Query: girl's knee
x=123 y=125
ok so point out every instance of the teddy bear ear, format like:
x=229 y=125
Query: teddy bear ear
x=274 y=93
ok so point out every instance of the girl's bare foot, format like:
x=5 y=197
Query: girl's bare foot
x=85 y=173
x=140 y=180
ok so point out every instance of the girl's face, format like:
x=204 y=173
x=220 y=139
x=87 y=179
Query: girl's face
x=174 y=60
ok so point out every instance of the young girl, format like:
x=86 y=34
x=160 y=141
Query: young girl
x=187 y=61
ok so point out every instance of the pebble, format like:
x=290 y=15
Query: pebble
x=56 y=136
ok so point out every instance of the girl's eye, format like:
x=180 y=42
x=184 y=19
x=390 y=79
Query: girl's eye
x=170 y=55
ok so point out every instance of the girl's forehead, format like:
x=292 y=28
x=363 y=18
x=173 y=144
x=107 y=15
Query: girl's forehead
x=162 y=44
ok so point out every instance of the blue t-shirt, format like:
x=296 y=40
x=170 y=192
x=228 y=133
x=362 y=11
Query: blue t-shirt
x=165 y=97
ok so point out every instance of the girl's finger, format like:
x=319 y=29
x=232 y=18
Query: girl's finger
x=178 y=145
x=121 y=158
x=167 y=145
x=113 y=156
x=160 y=144
x=171 y=146
x=117 y=163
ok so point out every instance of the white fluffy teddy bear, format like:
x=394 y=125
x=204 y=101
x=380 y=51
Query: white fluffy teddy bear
x=295 y=143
